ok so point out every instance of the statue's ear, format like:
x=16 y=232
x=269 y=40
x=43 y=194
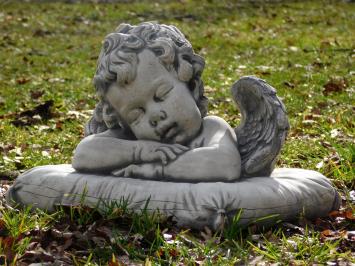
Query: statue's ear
x=109 y=115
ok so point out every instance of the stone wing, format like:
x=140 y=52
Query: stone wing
x=263 y=128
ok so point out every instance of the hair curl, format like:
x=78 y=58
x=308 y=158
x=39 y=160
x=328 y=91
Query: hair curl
x=118 y=61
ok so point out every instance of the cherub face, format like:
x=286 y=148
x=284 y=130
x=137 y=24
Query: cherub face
x=156 y=105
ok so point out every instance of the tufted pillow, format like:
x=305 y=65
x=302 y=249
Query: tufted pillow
x=283 y=196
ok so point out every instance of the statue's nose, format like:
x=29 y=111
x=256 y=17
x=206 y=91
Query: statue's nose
x=156 y=117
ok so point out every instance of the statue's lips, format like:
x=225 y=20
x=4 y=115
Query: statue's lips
x=169 y=132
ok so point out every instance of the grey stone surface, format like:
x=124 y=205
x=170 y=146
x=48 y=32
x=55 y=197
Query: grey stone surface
x=285 y=195
x=151 y=118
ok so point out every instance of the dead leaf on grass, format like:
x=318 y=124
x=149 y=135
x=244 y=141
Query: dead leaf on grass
x=5 y=148
x=346 y=214
x=335 y=85
x=289 y=84
x=352 y=196
x=22 y=80
x=327 y=233
x=59 y=234
x=318 y=63
x=119 y=260
x=99 y=241
x=35 y=94
x=41 y=33
x=308 y=122
x=293 y=227
x=349 y=215
x=330 y=161
x=351 y=236
x=105 y=232
x=37 y=255
x=33 y=116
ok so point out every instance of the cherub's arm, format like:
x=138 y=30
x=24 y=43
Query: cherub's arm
x=217 y=159
x=111 y=150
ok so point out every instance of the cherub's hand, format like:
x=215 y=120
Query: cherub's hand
x=151 y=151
x=197 y=143
x=145 y=171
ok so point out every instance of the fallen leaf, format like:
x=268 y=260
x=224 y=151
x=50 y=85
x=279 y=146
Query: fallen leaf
x=105 y=232
x=325 y=44
x=41 y=33
x=174 y=252
x=36 y=94
x=167 y=237
x=318 y=63
x=33 y=116
x=45 y=154
x=22 y=81
x=293 y=48
x=59 y=125
x=289 y=84
x=58 y=234
x=8 y=241
x=335 y=85
x=8 y=175
x=37 y=255
x=294 y=227
x=99 y=241
x=351 y=235
x=77 y=115
x=312 y=116
x=352 y=195
x=67 y=243
x=334 y=133
x=320 y=165
x=307 y=122
x=349 y=215
x=53 y=80
x=6 y=148
x=344 y=214
x=327 y=233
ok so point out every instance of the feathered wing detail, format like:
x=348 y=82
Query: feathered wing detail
x=263 y=128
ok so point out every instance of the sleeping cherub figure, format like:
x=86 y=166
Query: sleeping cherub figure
x=151 y=143
x=151 y=123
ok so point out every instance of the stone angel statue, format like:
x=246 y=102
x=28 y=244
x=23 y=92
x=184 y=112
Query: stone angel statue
x=150 y=141
x=151 y=120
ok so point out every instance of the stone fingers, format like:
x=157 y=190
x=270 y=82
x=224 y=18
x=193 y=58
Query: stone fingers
x=170 y=152
x=166 y=154
x=162 y=155
x=179 y=147
x=119 y=172
x=126 y=172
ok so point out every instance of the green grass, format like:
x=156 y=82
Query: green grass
x=48 y=51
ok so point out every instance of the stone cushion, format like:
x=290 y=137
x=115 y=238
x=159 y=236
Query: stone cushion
x=263 y=200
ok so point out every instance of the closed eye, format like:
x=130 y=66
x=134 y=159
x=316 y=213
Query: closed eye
x=134 y=115
x=161 y=93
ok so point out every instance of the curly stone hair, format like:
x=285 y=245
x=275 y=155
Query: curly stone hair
x=118 y=63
